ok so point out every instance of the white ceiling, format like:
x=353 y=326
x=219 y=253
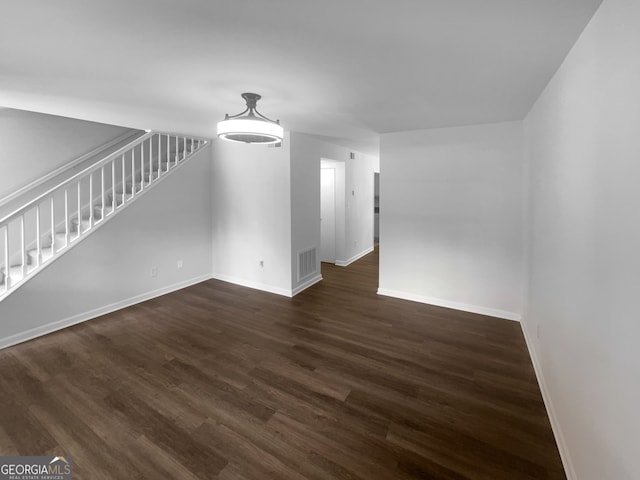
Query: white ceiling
x=336 y=68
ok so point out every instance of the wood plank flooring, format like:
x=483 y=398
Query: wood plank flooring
x=222 y=382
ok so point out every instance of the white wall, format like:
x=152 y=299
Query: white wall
x=304 y=189
x=251 y=211
x=34 y=144
x=111 y=268
x=451 y=217
x=266 y=206
x=584 y=239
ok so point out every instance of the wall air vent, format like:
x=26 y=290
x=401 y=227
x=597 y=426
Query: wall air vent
x=307 y=264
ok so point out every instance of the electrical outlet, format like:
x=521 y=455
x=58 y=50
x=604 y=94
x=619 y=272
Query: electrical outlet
x=538 y=332
x=154 y=272
x=180 y=264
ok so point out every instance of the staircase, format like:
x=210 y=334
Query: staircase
x=45 y=228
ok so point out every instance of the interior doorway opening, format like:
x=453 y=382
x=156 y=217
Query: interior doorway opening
x=346 y=209
x=328 y=215
x=376 y=208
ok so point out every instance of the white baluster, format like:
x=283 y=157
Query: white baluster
x=90 y=201
x=124 y=184
x=38 y=251
x=150 y=171
x=79 y=212
x=113 y=185
x=102 y=195
x=150 y=177
x=133 y=175
x=150 y=155
x=184 y=148
x=168 y=152
x=53 y=218
x=66 y=223
x=6 y=258
x=142 y=166
x=159 y=155
x=151 y=160
x=22 y=247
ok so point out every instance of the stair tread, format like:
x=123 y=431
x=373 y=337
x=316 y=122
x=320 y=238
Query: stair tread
x=46 y=252
x=62 y=237
x=15 y=273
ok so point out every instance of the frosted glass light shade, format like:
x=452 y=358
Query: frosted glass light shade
x=250 y=130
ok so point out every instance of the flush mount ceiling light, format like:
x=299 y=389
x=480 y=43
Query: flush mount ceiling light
x=250 y=126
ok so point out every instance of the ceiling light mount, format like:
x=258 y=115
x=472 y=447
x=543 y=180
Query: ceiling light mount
x=250 y=126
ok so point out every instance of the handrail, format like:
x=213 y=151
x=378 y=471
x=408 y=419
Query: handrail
x=63 y=168
x=81 y=173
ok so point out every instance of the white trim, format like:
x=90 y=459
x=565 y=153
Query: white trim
x=358 y=256
x=251 y=284
x=491 y=312
x=551 y=412
x=307 y=284
x=98 y=312
x=54 y=173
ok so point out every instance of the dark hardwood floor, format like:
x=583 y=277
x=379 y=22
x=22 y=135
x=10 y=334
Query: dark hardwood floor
x=224 y=382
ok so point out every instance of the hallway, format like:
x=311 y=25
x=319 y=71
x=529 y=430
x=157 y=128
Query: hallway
x=221 y=381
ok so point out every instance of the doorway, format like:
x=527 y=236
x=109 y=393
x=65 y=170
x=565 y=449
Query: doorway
x=376 y=208
x=328 y=215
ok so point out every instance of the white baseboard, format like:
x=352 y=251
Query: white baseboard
x=307 y=284
x=569 y=470
x=83 y=317
x=255 y=285
x=491 y=312
x=341 y=263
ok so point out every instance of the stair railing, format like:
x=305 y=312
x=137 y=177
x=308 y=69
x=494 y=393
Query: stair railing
x=35 y=234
